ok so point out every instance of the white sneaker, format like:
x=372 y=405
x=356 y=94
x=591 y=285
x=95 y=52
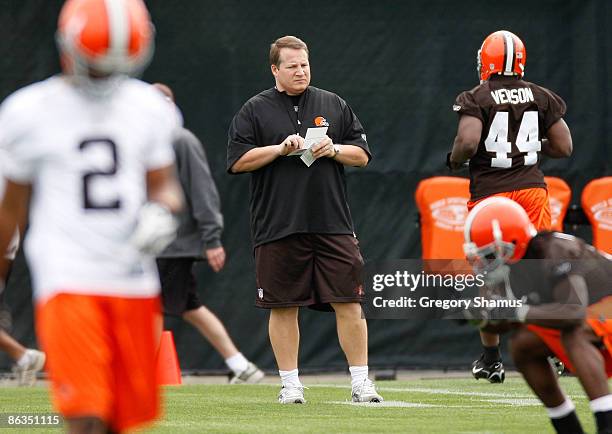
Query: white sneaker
x=26 y=375
x=366 y=392
x=251 y=375
x=291 y=395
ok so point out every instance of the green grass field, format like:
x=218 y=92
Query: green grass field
x=420 y=406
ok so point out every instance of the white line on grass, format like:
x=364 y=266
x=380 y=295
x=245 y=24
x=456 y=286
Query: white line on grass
x=517 y=402
x=384 y=404
x=456 y=392
x=511 y=398
x=391 y=404
x=435 y=391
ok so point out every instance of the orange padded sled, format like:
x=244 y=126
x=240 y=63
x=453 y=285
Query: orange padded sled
x=597 y=205
x=559 y=196
x=442 y=203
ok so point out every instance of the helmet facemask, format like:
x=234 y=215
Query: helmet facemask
x=491 y=256
x=479 y=65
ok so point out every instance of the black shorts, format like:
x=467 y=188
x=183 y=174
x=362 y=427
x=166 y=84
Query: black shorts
x=178 y=285
x=309 y=270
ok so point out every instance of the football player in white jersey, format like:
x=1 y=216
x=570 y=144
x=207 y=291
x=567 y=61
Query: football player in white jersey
x=89 y=155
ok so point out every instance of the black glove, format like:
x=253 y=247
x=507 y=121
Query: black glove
x=452 y=166
x=448 y=161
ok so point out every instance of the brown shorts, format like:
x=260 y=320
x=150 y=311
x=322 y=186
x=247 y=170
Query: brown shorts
x=308 y=270
x=178 y=286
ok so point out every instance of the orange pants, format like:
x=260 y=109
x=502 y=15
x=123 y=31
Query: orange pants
x=533 y=200
x=598 y=318
x=552 y=339
x=101 y=354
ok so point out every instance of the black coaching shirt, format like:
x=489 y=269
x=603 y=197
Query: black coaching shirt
x=286 y=196
x=515 y=115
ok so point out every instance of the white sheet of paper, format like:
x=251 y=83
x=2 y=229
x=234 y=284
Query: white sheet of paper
x=313 y=136
x=308 y=158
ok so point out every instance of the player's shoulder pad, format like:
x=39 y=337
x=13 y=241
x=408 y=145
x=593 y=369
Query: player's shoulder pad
x=550 y=244
x=25 y=102
x=541 y=90
x=561 y=249
x=535 y=86
x=152 y=102
x=470 y=93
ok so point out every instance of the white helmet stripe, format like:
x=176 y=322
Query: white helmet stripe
x=509 y=43
x=119 y=31
x=497 y=232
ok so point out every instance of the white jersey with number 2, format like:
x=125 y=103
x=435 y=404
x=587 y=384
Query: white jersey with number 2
x=86 y=158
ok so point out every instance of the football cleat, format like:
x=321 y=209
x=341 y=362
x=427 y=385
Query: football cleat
x=291 y=395
x=557 y=365
x=492 y=372
x=26 y=375
x=366 y=392
x=251 y=375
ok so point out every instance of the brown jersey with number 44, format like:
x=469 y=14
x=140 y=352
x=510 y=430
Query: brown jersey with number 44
x=516 y=115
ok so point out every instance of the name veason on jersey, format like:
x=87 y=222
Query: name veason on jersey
x=512 y=96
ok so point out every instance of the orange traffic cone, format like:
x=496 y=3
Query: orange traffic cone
x=168 y=369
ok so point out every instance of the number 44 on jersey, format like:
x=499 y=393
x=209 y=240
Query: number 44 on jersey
x=527 y=139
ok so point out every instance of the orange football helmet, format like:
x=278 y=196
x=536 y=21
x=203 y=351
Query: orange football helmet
x=105 y=37
x=502 y=53
x=497 y=231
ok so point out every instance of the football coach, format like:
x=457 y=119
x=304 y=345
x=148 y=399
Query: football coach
x=306 y=252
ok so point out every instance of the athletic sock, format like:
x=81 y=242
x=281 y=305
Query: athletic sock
x=564 y=418
x=568 y=424
x=237 y=363
x=290 y=378
x=604 y=422
x=602 y=409
x=491 y=354
x=358 y=375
